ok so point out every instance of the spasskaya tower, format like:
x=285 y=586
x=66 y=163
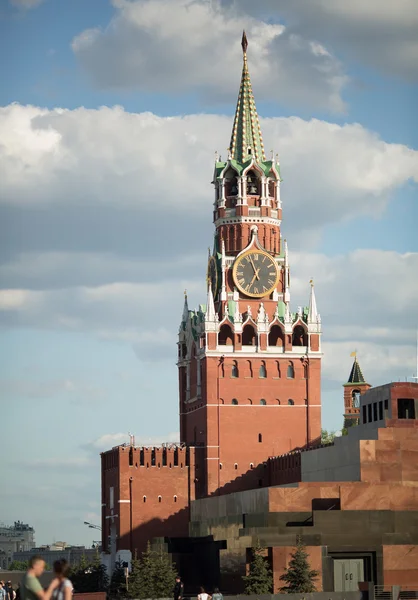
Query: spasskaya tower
x=249 y=367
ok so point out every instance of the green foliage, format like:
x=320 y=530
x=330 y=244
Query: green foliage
x=117 y=586
x=153 y=576
x=18 y=565
x=299 y=576
x=260 y=578
x=22 y=565
x=89 y=576
x=327 y=437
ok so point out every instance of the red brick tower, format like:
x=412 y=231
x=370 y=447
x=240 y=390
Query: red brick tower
x=353 y=389
x=249 y=368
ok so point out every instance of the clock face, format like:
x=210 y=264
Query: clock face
x=212 y=274
x=255 y=273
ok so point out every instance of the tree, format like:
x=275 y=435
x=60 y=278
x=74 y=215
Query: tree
x=117 y=586
x=90 y=576
x=299 y=576
x=153 y=576
x=260 y=579
x=18 y=565
x=327 y=437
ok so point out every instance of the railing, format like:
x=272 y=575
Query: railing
x=396 y=592
x=254 y=212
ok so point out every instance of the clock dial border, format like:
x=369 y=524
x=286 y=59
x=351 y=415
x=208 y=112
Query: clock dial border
x=235 y=278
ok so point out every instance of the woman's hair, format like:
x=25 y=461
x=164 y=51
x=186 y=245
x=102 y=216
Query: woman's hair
x=61 y=567
x=202 y=590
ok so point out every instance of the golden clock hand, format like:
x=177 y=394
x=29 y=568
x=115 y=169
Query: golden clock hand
x=255 y=270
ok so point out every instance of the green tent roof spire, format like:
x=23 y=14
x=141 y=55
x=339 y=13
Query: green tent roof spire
x=246 y=138
x=356 y=375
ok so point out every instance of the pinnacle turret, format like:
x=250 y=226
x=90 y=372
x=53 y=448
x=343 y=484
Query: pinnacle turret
x=313 y=311
x=246 y=138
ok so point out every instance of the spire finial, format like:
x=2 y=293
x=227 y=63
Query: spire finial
x=244 y=43
x=185 y=294
x=246 y=139
x=311 y=282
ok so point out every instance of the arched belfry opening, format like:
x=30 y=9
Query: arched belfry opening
x=276 y=336
x=249 y=336
x=299 y=337
x=225 y=337
x=231 y=183
x=253 y=183
x=355 y=398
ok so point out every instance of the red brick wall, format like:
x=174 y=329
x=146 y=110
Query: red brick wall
x=139 y=521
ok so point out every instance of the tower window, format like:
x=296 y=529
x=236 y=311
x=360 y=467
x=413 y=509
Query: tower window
x=262 y=373
x=234 y=401
x=236 y=466
x=406 y=408
x=263 y=402
x=299 y=337
x=220 y=466
x=225 y=337
x=260 y=438
x=290 y=371
x=291 y=402
x=235 y=371
x=251 y=465
x=276 y=337
x=175 y=498
x=144 y=498
x=249 y=336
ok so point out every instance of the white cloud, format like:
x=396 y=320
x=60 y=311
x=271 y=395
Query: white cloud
x=378 y=33
x=173 y=46
x=358 y=310
x=26 y=4
x=109 y=158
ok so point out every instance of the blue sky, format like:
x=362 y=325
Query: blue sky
x=106 y=210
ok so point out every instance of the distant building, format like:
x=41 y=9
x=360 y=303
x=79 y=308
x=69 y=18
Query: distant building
x=58 y=550
x=19 y=537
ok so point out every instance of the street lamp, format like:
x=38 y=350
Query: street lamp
x=91 y=526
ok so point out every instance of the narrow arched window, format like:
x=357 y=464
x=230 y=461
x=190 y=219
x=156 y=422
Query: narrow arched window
x=260 y=437
x=290 y=402
x=235 y=371
x=175 y=498
x=251 y=465
x=236 y=466
x=159 y=498
x=234 y=401
x=262 y=373
x=144 y=498
x=290 y=370
x=263 y=402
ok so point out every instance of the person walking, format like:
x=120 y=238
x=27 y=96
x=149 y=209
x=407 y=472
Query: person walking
x=217 y=594
x=30 y=588
x=2 y=590
x=64 y=590
x=203 y=595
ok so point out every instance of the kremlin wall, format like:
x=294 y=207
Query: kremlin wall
x=250 y=466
